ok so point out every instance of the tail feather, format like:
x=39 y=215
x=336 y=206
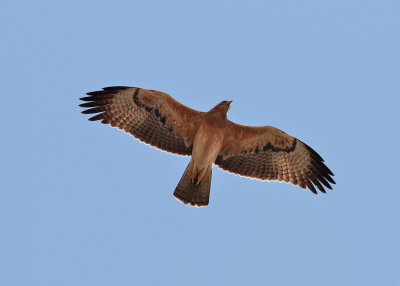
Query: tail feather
x=196 y=194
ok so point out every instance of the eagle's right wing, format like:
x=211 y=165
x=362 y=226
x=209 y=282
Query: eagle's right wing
x=151 y=116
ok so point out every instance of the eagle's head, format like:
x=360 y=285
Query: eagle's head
x=226 y=105
x=221 y=108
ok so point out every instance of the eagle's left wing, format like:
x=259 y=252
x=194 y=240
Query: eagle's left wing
x=267 y=153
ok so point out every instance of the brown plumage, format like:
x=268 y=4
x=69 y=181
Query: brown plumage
x=264 y=153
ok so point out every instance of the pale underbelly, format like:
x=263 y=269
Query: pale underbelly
x=206 y=147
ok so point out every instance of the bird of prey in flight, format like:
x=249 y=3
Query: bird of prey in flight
x=264 y=153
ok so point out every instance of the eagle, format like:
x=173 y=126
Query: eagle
x=155 y=118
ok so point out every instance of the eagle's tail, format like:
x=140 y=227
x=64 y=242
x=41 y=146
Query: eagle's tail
x=194 y=193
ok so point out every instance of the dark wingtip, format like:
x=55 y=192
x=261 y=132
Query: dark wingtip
x=95 y=110
x=87 y=111
x=324 y=182
x=99 y=100
x=331 y=180
x=96 y=117
x=313 y=152
x=317 y=183
x=89 y=104
x=86 y=98
x=318 y=163
x=311 y=187
x=115 y=88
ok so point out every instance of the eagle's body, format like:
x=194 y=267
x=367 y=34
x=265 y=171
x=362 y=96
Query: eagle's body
x=264 y=153
x=208 y=140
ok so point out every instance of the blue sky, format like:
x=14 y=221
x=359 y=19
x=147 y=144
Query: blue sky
x=84 y=204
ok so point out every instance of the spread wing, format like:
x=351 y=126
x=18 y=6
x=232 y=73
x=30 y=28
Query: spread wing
x=151 y=116
x=267 y=153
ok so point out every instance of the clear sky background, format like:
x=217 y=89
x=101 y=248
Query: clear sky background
x=82 y=203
